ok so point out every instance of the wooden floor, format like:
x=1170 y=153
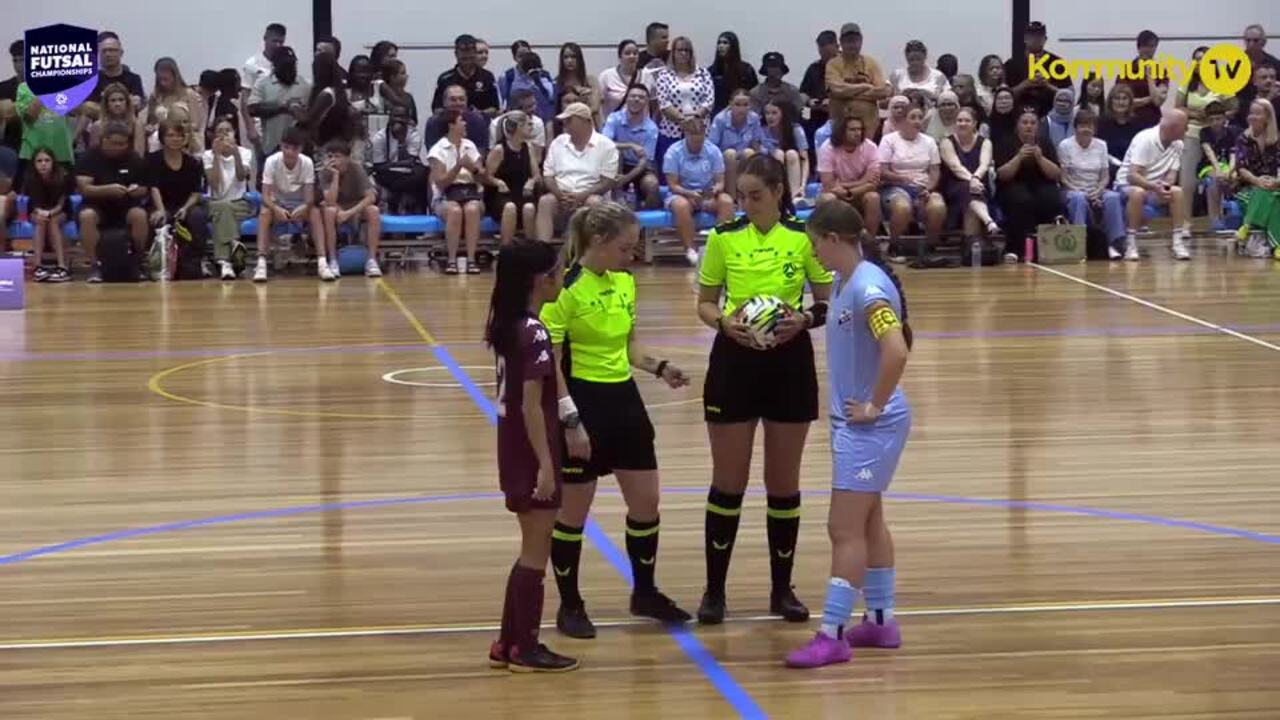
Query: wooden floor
x=1087 y=516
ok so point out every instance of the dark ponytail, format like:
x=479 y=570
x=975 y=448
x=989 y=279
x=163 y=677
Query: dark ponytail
x=773 y=174
x=844 y=220
x=519 y=266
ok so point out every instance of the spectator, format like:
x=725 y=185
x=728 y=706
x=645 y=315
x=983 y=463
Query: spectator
x=531 y=78
x=990 y=78
x=616 y=81
x=395 y=91
x=396 y=152
x=1093 y=94
x=684 y=91
x=385 y=50
x=332 y=46
x=456 y=169
x=656 y=51
x=855 y=82
x=1117 y=127
x=171 y=94
x=218 y=92
x=580 y=167
x=111 y=69
x=349 y=197
x=1193 y=98
x=363 y=83
x=48 y=201
x=1027 y=175
x=329 y=116
x=279 y=100
x=288 y=196
x=556 y=127
x=1149 y=176
x=1262 y=84
x=783 y=139
x=966 y=168
x=176 y=180
x=849 y=167
x=519 y=49
x=729 y=73
x=117 y=106
x=966 y=91
x=478 y=83
x=910 y=168
x=1057 y=125
x=513 y=167
x=774 y=89
x=1003 y=121
x=897 y=117
x=1086 y=175
x=256 y=67
x=814 y=84
x=525 y=102
x=42 y=127
x=482 y=54
x=949 y=66
x=695 y=176
x=823 y=134
x=1035 y=92
x=941 y=120
x=573 y=75
x=1218 y=160
x=10 y=125
x=636 y=137
x=917 y=75
x=112 y=180
x=229 y=175
x=737 y=132
x=1258 y=164
x=9 y=177
x=1255 y=44
x=1149 y=90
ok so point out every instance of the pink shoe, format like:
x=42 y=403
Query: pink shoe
x=821 y=650
x=869 y=634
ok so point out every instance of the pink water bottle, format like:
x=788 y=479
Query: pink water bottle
x=1029 y=250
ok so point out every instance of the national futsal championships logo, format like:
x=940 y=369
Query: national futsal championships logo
x=1224 y=69
x=61 y=65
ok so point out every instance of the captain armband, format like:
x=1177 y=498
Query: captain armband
x=882 y=320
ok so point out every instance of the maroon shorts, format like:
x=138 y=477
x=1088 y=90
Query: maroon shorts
x=517 y=487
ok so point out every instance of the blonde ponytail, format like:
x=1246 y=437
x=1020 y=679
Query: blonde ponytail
x=607 y=221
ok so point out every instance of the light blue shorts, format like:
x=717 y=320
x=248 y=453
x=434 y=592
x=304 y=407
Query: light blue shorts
x=864 y=457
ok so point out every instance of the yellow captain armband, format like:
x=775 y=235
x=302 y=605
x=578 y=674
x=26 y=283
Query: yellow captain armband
x=882 y=320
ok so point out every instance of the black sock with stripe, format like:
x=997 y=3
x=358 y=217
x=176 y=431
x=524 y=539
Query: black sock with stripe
x=783 y=527
x=642 y=548
x=723 y=513
x=566 y=555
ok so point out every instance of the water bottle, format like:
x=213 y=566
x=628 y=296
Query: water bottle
x=975 y=254
x=462 y=264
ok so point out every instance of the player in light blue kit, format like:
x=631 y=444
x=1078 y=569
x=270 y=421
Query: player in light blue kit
x=868 y=341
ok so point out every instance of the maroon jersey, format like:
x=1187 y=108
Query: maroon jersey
x=530 y=358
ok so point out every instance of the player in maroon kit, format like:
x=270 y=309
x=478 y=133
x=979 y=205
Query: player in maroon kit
x=529 y=434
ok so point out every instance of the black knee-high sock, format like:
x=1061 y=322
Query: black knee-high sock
x=783 y=526
x=642 y=548
x=566 y=553
x=723 y=513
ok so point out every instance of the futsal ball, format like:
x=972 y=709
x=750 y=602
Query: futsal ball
x=761 y=314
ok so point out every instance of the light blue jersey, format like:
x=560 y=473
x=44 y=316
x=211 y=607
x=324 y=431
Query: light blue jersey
x=864 y=456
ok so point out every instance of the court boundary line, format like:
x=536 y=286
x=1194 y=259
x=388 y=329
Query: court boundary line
x=1159 y=308
x=319 y=633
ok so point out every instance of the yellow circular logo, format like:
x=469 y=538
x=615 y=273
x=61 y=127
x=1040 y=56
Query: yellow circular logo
x=1225 y=69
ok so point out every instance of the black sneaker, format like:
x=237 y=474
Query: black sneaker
x=787 y=605
x=659 y=607
x=59 y=275
x=540 y=660
x=573 y=621
x=41 y=274
x=712 y=610
x=498 y=659
x=95 y=274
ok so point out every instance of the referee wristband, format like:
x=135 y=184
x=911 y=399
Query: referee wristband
x=567 y=408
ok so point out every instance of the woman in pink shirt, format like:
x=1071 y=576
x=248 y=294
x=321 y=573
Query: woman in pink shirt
x=849 y=167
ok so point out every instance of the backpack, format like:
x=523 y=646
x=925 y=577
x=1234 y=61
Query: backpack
x=115 y=256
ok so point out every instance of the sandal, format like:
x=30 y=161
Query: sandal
x=451 y=268
x=472 y=268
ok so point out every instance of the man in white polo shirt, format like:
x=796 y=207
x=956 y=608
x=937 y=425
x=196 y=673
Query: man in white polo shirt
x=580 y=168
x=1149 y=176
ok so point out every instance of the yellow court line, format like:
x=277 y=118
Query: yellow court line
x=394 y=297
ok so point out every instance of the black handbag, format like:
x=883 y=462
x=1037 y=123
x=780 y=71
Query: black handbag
x=463 y=193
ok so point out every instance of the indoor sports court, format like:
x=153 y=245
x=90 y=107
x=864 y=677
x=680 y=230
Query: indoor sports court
x=240 y=501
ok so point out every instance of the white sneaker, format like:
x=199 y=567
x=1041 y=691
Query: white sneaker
x=260 y=271
x=1131 y=250
x=334 y=270
x=692 y=256
x=371 y=269
x=1010 y=258
x=1113 y=253
x=1180 y=251
x=225 y=271
x=323 y=270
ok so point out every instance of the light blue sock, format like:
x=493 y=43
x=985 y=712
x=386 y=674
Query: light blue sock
x=842 y=599
x=879 y=585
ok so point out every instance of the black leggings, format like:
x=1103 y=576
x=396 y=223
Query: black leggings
x=1027 y=205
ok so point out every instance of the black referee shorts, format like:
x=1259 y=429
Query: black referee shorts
x=617 y=423
x=744 y=384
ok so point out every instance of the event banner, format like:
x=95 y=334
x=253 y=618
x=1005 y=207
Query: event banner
x=62 y=65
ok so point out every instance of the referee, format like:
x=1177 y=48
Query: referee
x=592 y=328
x=764 y=253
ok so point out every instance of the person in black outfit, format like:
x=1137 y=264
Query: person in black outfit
x=479 y=84
x=1027 y=180
x=657 y=39
x=513 y=172
x=112 y=70
x=10 y=124
x=814 y=87
x=729 y=72
x=1036 y=92
x=329 y=115
x=177 y=180
x=112 y=179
